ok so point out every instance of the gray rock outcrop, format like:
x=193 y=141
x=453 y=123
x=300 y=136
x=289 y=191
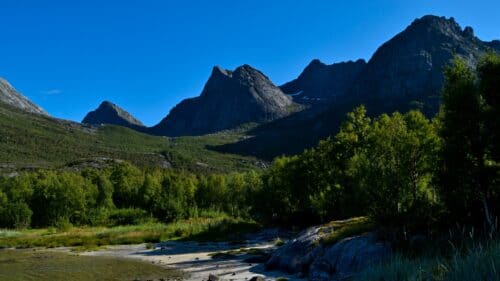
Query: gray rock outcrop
x=10 y=96
x=307 y=255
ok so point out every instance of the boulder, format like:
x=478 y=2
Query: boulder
x=297 y=254
x=343 y=259
x=308 y=255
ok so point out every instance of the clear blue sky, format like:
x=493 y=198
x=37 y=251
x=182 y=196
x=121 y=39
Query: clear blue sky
x=146 y=55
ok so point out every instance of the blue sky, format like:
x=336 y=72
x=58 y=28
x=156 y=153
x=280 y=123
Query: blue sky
x=146 y=55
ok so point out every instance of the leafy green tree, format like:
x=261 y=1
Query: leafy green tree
x=127 y=180
x=104 y=199
x=15 y=194
x=211 y=193
x=469 y=171
x=344 y=151
x=397 y=167
x=60 y=198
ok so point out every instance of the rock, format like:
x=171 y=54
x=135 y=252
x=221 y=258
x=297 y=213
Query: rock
x=306 y=254
x=213 y=277
x=10 y=96
x=297 y=254
x=110 y=113
x=257 y=278
x=347 y=257
x=229 y=99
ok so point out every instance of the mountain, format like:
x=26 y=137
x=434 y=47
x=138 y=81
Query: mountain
x=407 y=71
x=110 y=113
x=404 y=73
x=10 y=96
x=229 y=99
x=320 y=82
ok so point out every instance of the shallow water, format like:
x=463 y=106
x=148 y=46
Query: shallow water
x=40 y=265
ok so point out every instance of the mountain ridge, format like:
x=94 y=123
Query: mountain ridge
x=9 y=95
x=229 y=99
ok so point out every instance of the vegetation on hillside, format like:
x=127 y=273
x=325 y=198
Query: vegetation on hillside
x=34 y=141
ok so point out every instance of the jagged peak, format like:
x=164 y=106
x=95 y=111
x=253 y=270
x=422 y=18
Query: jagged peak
x=217 y=70
x=316 y=63
x=246 y=68
x=432 y=19
x=442 y=24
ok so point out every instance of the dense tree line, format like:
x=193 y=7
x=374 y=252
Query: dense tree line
x=400 y=169
x=122 y=194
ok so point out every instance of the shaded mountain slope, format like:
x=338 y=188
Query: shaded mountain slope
x=229 y=99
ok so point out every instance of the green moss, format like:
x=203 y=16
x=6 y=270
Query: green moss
x=339 y=230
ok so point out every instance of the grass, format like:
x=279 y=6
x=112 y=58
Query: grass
x=31 y=141
x=479 y=262
x=17 y=265
x=84 y=238
x=338 y=230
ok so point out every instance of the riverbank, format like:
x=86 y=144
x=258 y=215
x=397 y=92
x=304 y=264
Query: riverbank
x=198 y=260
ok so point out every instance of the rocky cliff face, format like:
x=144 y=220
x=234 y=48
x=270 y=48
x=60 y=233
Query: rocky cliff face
x=320 y=82
x=10 y=96
x=409 y=67
x=110 y=113
x=229 y=98
x=404 y=73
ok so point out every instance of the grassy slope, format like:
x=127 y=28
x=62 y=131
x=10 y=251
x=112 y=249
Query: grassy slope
x=28 y=140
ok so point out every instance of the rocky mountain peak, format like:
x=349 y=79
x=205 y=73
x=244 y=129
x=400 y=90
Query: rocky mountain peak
x=229 y=98
x=408 y=69
x=110 y=113
x=440 y=25
x=10 y=96
x=320 y=82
